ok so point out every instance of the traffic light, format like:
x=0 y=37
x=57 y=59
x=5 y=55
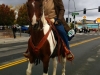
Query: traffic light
x=67 y=20
x=84 y=11
x=99 y=9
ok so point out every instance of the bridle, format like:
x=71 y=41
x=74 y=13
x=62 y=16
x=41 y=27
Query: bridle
x=36 y=26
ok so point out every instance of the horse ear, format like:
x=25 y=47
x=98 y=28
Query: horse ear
x=44 y=21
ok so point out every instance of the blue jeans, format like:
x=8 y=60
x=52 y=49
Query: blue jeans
x=63 y=34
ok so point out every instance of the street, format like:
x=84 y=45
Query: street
x=86 y=49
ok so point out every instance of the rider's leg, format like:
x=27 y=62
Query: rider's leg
x=62 y=33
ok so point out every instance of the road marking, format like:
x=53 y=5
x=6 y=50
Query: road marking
x=91 y=59
x=13 y=63
x=10 y=48
x=85 y=41
x=24 y=60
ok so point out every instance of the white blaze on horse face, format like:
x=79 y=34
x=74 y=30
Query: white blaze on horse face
x=33 y=19
x=33 y=3
x=34 y=16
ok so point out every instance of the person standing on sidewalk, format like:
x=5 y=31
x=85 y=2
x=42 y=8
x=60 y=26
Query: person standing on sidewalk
x=14 y=29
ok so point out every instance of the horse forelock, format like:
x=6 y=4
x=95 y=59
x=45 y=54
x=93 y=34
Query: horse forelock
x=34 y=10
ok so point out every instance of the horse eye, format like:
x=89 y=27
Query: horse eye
x=41 y=5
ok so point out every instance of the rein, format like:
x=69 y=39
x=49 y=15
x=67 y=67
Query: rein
x=37 y=48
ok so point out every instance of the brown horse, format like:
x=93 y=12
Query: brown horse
x=42 y=43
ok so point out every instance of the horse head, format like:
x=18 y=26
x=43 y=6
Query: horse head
x=34 y=10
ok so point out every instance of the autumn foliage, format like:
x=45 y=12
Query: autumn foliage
x=23 y=16
x=7 y=16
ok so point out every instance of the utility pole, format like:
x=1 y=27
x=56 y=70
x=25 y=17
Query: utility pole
x=74 y=21
x=68 y=12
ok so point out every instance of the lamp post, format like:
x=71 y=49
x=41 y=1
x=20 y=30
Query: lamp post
x=68 y=11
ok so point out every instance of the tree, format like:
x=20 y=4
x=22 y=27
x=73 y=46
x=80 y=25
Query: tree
x=72 y=25
x=7 y=16
x=18 y=6
x=23 y=16
x=84 y=21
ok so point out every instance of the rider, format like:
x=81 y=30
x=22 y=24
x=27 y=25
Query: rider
x=54 y=10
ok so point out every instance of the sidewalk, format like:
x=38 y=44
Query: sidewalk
x=8 y=40
x=12 y=40
x=5 y=40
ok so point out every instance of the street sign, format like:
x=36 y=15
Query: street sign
x=84 y=17
x=75 y=13
x=98 y=20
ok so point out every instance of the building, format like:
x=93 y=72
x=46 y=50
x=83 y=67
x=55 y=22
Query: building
x=88 y=21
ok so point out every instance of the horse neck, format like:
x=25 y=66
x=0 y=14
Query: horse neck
x=37 y=35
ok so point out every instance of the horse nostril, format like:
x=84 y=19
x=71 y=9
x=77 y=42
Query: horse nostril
x=35 y=26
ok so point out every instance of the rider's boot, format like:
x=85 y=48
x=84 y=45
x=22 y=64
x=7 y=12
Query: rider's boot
x=70 y=56
x=26 y=54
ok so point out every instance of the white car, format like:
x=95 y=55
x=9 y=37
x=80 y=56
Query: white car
x=18 y=28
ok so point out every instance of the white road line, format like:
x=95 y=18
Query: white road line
x=12 y=47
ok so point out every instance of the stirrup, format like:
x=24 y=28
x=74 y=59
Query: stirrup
x=26 y=55
x=70 y=56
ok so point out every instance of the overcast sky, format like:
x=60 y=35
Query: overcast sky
x=79 y=5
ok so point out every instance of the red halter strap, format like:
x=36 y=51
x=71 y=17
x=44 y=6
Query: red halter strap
x=36 y=48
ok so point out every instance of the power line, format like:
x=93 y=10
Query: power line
x=69 y=8
x=83 y=10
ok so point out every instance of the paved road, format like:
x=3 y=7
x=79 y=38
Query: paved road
x=86 y=62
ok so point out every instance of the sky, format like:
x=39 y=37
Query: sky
x=73 y=4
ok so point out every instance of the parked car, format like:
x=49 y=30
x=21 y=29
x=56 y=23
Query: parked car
x=80 y=30
x=1 y=27
x=24 y=28
x=18 y=28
